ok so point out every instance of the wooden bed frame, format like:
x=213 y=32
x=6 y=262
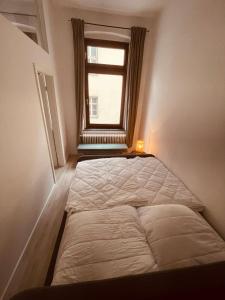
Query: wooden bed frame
x=198 y=282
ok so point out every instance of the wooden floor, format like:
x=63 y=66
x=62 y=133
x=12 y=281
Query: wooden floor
x=32 y=269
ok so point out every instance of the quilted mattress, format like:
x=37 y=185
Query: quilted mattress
x=105 y=183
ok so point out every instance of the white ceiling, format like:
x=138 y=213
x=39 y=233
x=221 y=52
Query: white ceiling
x=143 y=8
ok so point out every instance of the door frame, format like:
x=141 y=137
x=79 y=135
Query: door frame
x=55 y=118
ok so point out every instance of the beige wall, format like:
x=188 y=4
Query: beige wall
x=25 y=171
x=185 y=119
x=20 y=7
x=63 y=43
x=46 y=16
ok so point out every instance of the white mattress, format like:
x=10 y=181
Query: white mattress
x=105 y=183
x=125 y=241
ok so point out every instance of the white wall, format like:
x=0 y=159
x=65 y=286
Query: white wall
x=46 y=12
x=44 y=26
x=63 y=44
x=24 y=23
x=25 y=171
x=185 y=119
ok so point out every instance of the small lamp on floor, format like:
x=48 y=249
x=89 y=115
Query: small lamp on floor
x=140 y=146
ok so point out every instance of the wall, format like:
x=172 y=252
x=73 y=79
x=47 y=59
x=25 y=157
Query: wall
x=185 y=119
x=20 y=7
x=63 y=45
x=25 y=171
x=24 y=22
x=42 y=23
x=46 y=12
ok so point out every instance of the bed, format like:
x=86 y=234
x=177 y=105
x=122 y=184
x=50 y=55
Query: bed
x=133 y=230
x=140 y=181
x=129 y=217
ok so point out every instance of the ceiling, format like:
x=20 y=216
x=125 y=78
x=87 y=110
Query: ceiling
x=142 y=8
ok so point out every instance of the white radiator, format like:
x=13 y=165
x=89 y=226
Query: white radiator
x=104 y=137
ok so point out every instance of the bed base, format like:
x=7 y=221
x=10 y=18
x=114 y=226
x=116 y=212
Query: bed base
x=199 y=282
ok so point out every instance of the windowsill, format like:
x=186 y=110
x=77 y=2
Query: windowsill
x=104 y=129
x=102 y=147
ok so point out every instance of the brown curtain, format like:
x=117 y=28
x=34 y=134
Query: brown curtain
x=134 y=78
x=79 y=69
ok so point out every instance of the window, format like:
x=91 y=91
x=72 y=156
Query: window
x=93 y=106
x=106 y=69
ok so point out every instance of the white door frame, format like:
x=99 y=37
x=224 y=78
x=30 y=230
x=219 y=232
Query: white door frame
x=54 y=119
x=48 y=117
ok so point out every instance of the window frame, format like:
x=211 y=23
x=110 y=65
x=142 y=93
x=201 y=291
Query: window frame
x=108 y=70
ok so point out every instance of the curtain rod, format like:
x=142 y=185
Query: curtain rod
x=110 y=26
x=19 y=14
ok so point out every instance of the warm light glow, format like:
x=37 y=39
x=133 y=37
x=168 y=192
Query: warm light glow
x=140 y=146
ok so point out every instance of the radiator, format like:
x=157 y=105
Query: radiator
x=106 y=137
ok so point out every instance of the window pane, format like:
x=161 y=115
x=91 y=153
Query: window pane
x=93 y=106
x=94 y=51
x=108 y=90
x=107 y=56
x=92 y=54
